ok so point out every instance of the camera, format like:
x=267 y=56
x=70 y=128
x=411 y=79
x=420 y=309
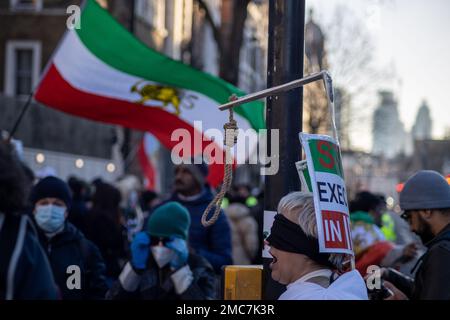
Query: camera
x=379 y=294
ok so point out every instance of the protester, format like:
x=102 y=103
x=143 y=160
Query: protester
x=28 y=276
x=297 y=262
x=425 y=199
x=241 y=193
x=78 y=210
x=244 y=233
x=149 y=199
x=134 y=219
x=65 y=245
x=106 y=229
x=192 y=191
x=396 y=230
x=161 y=265
x=369 y=243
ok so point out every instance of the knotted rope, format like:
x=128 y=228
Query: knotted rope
x=230 y=129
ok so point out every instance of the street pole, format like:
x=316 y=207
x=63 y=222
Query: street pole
x=284 y=111
x=126 y=146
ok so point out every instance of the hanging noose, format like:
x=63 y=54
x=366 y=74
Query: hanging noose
x=230 y=129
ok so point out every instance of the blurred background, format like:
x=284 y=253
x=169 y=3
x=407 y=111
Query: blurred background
x=388 y=58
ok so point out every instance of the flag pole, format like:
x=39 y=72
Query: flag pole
x=22 y=113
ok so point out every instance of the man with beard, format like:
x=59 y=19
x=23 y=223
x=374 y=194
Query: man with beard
x=194 y=193
x=425 y=200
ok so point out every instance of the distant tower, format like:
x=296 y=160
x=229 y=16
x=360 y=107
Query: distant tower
x=314 y=43
x=388 y=133
x=423 y=125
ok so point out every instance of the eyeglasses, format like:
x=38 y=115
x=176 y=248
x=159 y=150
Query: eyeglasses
x=406 y=215
x=157 y=240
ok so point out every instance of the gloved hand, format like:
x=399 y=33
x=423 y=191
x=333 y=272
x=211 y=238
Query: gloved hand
x=179 y=246
x=140 y=250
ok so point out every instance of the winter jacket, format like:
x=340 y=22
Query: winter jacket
x=432 y=279
x=319 y=285
x=25 y=272
x=214 y=242
x=244 y=233
x=71 y=248
x=158 y=284
x=110 y=239
x=77 y=214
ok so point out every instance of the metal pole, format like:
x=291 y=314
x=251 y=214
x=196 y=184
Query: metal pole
x=126 y=148
x=22 y=113
x=284 y=111
x=274 y=90
x=132 y=16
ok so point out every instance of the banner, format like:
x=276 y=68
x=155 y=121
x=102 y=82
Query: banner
x=330 y=197
x=303 y=174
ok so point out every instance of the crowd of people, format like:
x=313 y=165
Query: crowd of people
x=96 y=240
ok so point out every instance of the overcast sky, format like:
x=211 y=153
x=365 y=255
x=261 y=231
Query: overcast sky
x=412 y=38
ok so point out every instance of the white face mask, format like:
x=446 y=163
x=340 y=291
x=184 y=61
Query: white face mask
x=50 y=218
x=162 y=255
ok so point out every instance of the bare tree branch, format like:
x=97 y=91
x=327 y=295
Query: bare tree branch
x=214 y=27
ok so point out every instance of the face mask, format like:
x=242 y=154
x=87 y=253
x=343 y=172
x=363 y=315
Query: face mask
x=50 y=218
x=162 y=255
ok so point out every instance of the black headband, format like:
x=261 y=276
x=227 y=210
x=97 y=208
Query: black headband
x=288 y=236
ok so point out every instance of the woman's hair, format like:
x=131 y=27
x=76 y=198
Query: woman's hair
x=365 y=201
x=106 y=199
x=13 y=182
x=298 y=207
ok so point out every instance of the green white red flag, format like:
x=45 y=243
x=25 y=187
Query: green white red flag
x=102 y=72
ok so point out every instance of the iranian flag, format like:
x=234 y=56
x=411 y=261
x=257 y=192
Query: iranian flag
x=103 y=73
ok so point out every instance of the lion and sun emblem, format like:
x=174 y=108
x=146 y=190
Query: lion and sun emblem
x=174 y=97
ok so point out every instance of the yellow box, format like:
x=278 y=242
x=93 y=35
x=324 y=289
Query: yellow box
x=242 y=282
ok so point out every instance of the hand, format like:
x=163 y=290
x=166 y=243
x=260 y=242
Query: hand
x=397 y=294
x=140 y=250
x=410 y=251
x=179 y=246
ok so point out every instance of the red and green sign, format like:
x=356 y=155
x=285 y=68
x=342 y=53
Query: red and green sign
x=330 y=197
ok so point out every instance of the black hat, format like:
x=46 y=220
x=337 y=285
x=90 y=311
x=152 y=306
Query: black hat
x=51 y=187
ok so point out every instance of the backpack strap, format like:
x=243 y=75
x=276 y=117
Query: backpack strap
x=9 y=294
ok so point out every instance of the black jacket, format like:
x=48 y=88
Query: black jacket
x=156 y=284
x=214 y=242
x=68 y=248
x=32 y=275
x=110 y=239
x=432 y=279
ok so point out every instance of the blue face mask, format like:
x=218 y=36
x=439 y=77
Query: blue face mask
x=50 y=218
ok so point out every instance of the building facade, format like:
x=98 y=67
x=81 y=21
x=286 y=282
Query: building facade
x=389 y=136
x=31 y=30
x=423 y=125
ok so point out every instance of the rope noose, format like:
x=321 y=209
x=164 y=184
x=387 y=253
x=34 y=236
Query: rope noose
x=230 y=129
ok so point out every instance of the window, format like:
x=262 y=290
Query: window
x=58 y=4
x=23 y=64
x=26 y=5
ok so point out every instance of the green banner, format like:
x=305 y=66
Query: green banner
x=326 y=157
